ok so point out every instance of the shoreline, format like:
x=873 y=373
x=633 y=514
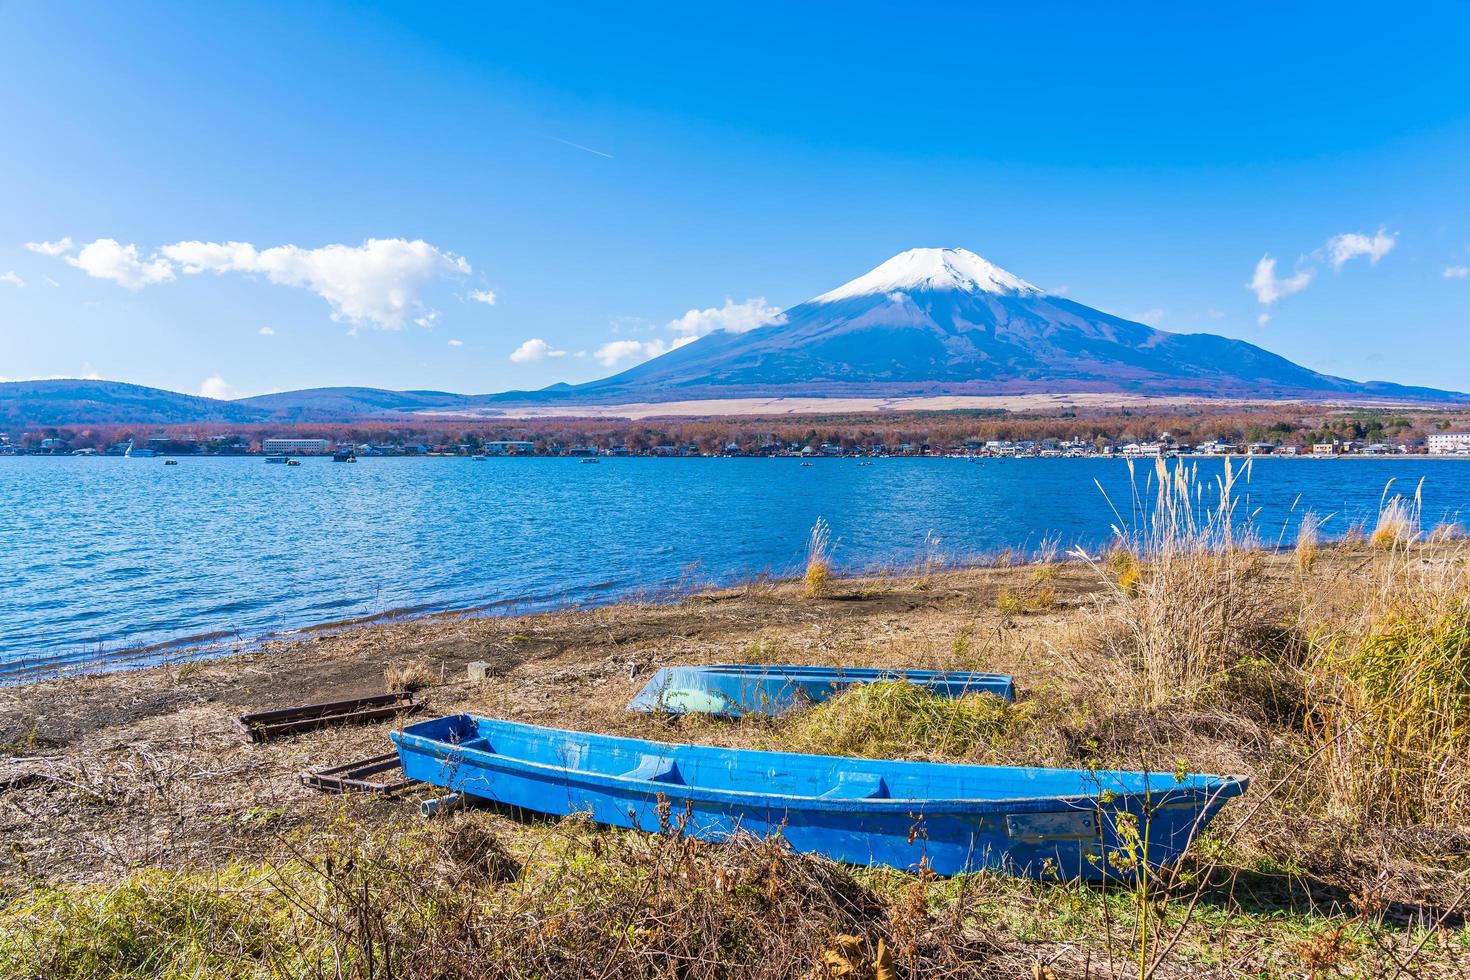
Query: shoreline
x=135 y=782
x=223 y=643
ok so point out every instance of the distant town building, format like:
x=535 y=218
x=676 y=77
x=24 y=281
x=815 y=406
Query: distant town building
x=509 y=447
x=1446 y=443
x=303 y=446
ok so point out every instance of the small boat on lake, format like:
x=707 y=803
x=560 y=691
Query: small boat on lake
x=591 y=459
x=732 y=690
x=170 y=462
x=344 y=456
x=1043 y=823
x=293 y=462
x=278 y=459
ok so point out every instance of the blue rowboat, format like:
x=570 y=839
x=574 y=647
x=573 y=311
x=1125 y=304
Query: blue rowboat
x=1067 y=823
x=732 y=690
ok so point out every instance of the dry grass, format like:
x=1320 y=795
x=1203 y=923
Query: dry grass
x=1308 y=542
x=1398 y=520
x=819 y=549
x=409 y=675
x=1390 y=691
x=1342 y=693
x=1192 y=585
x=900 y=721
x=455 y=899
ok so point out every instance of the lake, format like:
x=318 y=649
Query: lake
x=100 y=555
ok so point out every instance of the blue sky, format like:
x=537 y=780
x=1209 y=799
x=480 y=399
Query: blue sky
x=606 y=172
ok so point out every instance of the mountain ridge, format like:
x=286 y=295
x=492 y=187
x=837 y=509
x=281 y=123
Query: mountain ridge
x=931 y=321
x=926 y=322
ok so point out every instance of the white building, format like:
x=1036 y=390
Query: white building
x=302 y=446
x=1445 y=443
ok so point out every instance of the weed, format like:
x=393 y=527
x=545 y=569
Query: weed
x=409 y=675
x=1307 y=542
x=819 y=549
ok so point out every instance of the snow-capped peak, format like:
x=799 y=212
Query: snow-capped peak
x=933 y=269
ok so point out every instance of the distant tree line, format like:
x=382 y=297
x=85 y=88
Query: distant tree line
x=1299 y=424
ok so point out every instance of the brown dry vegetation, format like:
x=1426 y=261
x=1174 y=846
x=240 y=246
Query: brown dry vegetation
x=1272 y=422
x=150 y=841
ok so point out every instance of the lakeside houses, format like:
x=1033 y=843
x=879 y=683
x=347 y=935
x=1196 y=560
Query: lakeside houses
x=1448 y=443
x=647 y=444
x=302 y=447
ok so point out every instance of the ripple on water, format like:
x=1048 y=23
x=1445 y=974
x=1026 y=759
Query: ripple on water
x=109 y=552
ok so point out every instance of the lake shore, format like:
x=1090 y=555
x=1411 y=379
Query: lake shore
x=139 y=773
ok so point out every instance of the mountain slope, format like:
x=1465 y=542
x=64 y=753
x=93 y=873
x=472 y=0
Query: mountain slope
x=81 y=402
x=331 y=404
x=932 y=321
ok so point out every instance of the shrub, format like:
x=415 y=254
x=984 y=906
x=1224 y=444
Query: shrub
x=1392 y=698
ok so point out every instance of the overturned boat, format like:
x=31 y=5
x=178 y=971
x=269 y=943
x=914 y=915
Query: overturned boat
x=1063 y=823
x=732 y=690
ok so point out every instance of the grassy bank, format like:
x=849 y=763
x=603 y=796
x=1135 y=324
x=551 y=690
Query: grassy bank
x=1336 y=676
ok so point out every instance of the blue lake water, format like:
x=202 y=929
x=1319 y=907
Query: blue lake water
x=106 y=554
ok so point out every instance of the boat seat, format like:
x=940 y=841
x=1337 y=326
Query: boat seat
x=656 y=769
x=858 y=786
x=477 y=744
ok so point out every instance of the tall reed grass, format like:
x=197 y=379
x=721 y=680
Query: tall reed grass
x=819 y=550
x=1389 y=683
x=1378 y=654
x=1190 y=574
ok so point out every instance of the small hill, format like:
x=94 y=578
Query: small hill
x=82 y=402
x=337 y=404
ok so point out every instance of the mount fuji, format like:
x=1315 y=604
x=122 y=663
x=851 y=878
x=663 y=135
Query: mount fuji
x=929 y=321
x=933 y=321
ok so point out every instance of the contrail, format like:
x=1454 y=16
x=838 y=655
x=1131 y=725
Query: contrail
x=579 y=146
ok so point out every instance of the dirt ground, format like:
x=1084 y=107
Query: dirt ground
x=143 y=767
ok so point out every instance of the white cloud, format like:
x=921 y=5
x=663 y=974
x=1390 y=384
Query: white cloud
x=1152 y=317
x=217 y=387
x=52 y=249
x=266 y=332
x=1269 y=289
x=379 y=281
x=486 y=296
x=1263 y=319
x=733 y=317
x=616 y=352
x=1339 y=250
x=456 y=343
x=535 y=349
x=12 y=278
x=428 y=320
x=87 y=373
x=1346 y=247
x=107 y=259
x=1456 y=271
x=196 y=257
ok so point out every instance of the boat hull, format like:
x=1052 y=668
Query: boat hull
x=1043 y=823
x=732 y=690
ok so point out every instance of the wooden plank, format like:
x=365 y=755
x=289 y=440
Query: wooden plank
x=261 y=726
